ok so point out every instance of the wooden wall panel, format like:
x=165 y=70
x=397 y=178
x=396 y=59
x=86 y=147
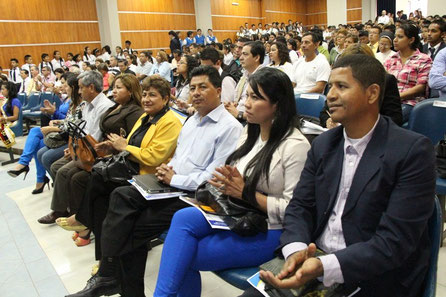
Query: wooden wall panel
x=156 y=22
x=317 y=19
x=48 y=32
x=227 y=18
x=48 y=10
x=225 y=35
x=157 y=16
x=354 y=16
x=6 y=53
x=316 y=12
x=354 y=11
x=354 y=4
x=177 y=6
x=226 y=23
x=245 y=8
x=282 y=11
x=297 y=6
x=45 y=26
x=284 y=17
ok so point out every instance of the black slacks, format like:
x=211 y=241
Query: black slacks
x=130 y=223
x=94 y=205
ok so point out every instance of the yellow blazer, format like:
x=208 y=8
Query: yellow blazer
x=159 y=143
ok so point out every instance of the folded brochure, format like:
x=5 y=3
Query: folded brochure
x=215 y=221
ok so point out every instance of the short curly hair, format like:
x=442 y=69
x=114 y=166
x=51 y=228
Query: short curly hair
x=157 y=82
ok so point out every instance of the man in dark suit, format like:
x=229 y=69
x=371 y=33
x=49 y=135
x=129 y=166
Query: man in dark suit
x=436 y=33
x=364 y=196
x=401 y=16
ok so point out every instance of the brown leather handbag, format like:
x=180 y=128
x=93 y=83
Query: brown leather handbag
x=81 y=146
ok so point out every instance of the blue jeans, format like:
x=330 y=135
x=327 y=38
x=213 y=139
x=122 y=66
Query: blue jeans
x=192 y=245
x=34 y=142
x=47 y=156
x=406 y=110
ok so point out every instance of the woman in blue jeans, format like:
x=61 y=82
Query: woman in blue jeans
x=34 y=142
x=263 y=171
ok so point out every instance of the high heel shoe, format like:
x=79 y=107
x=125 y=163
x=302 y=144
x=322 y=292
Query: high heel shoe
x=46 y=181
x=15 y=173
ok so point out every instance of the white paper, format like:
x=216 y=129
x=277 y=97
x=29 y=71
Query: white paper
x=439 y=103
x=258 y=284
x=311 y=128
x=310 y=96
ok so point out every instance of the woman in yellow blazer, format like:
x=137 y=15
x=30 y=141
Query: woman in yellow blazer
x=151 y=142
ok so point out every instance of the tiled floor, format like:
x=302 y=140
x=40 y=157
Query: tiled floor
x=38 y=260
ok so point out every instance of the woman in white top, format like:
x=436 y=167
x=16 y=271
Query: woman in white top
x=119 y=53
x=132 y=62
x=88 y=56
x=106 y=52
x=241 y=32
x=184 y=68
x=280 y=58
x=385 y=46
x=228 y=57
x=262 y=172
x=293 y=50
x=162 y=66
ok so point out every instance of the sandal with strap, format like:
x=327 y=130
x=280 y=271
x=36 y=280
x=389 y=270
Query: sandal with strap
x=63 y=223
x=75 y=235
x=83 y=240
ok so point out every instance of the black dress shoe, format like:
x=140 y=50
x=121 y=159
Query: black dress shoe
x=52 y=217
x=99 y=286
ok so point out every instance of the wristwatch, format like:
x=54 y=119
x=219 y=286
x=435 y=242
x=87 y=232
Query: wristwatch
x=240 y=116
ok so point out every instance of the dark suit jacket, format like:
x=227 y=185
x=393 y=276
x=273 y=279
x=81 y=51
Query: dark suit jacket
x=426 y=49
x=125 y=117
x=385 y=217
x=390 y=106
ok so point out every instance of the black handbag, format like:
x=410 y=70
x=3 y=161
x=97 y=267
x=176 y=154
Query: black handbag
x=55 y=139
x=241 y=217
x=116 y=168
x=440 y=152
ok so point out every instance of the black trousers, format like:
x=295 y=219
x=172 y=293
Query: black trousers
x=130 y=223
x=251 y=292
x=94 y=205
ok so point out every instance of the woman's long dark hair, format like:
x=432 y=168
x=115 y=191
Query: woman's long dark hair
x=411 y=30
x=72 y=82
x=278 y=88
x=12 y=93
x=284 y=53
x=192 y=63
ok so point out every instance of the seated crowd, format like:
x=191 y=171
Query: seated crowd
x=361 y=192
